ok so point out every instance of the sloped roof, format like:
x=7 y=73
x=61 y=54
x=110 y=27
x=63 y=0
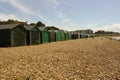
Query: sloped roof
x=62 y=31
x=56 y=30
x=41 y=28
x=66 y=31
x=51 y=30
x=29 y=27
x=8 y=26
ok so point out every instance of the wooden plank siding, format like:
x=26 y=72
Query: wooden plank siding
x=57 y=35
x=62 y=35
x=67 y=35
x=51 y=36
x=33 y=35
x=44 y=35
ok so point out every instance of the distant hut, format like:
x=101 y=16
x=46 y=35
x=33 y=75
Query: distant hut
x=86 y=35
x=57 y=35
x=33 y=35
x=44 y=35
x=70 y=36
x=73 y=35
x=79 y=35
x=62 y=35
x=12 y=35
x=51 y=36
x=67 y=35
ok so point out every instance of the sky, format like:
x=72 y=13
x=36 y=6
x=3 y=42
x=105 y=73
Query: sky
x=65 y=14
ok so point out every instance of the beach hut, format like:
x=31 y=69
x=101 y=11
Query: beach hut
x=44 y=35
x=51 y=36
x=79 y=35
x=33 y=35
x=67 y=35
x=62 y=35
x=73 y=35
x=70 y=33
x=12 y=35
x=57 y=35
x=86 y=35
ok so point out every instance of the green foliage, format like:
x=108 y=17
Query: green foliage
x=52 y=28
x=40 y=24
x=32 y=24
x=10 y=21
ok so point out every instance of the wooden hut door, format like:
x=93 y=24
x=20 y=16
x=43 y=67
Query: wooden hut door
x=35 y=36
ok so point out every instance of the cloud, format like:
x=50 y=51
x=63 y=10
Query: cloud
x=66 y=20
x=96 y=27
x=55 y=2
x=26 y=10
x=18 y=6
x=113 y=27
x=4 y=17
x=60 y=14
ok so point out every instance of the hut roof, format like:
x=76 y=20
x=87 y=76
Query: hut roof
x=56 y=30
x=62 y=31
x=8 y=26
x=66 y=32
x=51 y=30
x=41 y=28
x=29 y=27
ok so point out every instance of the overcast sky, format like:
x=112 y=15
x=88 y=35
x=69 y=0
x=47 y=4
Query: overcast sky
x=65 y=14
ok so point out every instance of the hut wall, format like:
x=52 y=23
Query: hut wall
x=57 y=36
x=5 y=38
x=18 y=36
x=74 y=36
x=35 y=36
x=45 y=37
x=79 y=35
x=67 y=36
x=84 y=36
x=28 y=38
x=70 y=35
x=62 y=36
x=52 y=36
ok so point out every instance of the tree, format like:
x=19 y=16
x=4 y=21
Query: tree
x=40 y=24
x=32 y=24
x=53 y=28
x=11 y=21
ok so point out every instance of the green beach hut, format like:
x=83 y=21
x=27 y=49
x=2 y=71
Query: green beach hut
x=67 y=35
x=62 y=35
x=44 y=35
x=57 y=35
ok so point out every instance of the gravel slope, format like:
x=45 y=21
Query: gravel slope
x=91 y=59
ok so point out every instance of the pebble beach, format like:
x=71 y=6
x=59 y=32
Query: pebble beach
x=81 y=59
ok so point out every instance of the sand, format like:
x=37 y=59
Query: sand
x=116 y=38
x=82 y=59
